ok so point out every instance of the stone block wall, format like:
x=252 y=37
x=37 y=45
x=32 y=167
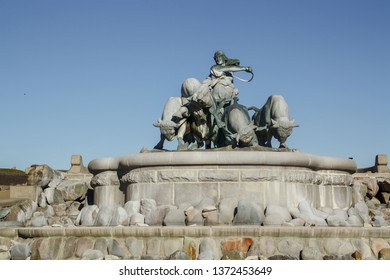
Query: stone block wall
x=284 y=186
x=197 y=243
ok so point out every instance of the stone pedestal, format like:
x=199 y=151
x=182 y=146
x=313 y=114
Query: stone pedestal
x=283 y=178
x=284 y=186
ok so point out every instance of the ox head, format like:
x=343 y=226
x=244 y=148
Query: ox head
x=282 y=129
x=246 y=135
x=167 y=128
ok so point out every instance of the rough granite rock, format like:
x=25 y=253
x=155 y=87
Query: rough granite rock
x=248 y=213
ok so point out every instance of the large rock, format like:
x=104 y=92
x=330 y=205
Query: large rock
x=291 y=247
x=248 y=213
x=276 y=215
x=73 y=189
x=132 y=207
x=20 y=251
x=120 y=217
x=88 y=215
x=208 y=250
x=309 y=214
x=371 y=184
x=104 y=216
x=175 y=217
x=39 y=175
x=156 y=216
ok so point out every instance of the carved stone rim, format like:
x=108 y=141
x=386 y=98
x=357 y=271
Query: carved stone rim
x=228 y=158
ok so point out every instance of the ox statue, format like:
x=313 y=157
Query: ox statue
x=273 y=120
x=240 y=130
x=171 y=126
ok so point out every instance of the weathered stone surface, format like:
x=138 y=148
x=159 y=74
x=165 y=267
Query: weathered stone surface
x=354 y=221
x=377 y=244
x=191 y=247
x=218 y=175
x=108 y=196
x=104 y=216
x=311 y=253
x=73 y=189
x=363 y=247
x=193 y=216
x=5 y=255
x=20 y=251
x=177 y=176
x=83 y=244
x=213 y=219
x=362 y=209
x=69 y=248
x=282 y=257
x=135 y=246
x=248 y=213
x=153 y=247
x=53 y=195
x=118 y=248
x=137 y=219
x=273 y=220
x=132 y=207
x=147 y=205
x=179 y=255
x=384 y=185
x=119 y=217
x=308 y=214
x=278 y=210
x=291 y=247
x=157 y=215
x=88 y=215
x=208 y=250
x=226 y=209
x=384 y=254
x=234 y=248
x=49 y=248
x=339 y=258
x=105 y=178
x=39 y=175
x=101 y=244
x=379 y=221
x=92 y=254
x=371 y=184
x=60 y=209
x=38 y=220
x=56 y=179
x=140 y=176
x=172 y=245
x=338 y=247
x=4 y=212
x=16 y=214
x=336 y=220
x=175 y=217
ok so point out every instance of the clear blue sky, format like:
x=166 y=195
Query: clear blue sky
x=91 y=77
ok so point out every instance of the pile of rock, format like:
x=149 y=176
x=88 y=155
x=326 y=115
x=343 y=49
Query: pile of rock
x=58 y=199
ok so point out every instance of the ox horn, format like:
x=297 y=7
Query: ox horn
x=158 y=124
x=294 y=124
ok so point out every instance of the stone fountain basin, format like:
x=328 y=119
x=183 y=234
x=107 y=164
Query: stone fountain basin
x=265 y=177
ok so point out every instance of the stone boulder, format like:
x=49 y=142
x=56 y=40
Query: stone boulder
x=42 y=176
x=73 y=189
x=248 y=213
